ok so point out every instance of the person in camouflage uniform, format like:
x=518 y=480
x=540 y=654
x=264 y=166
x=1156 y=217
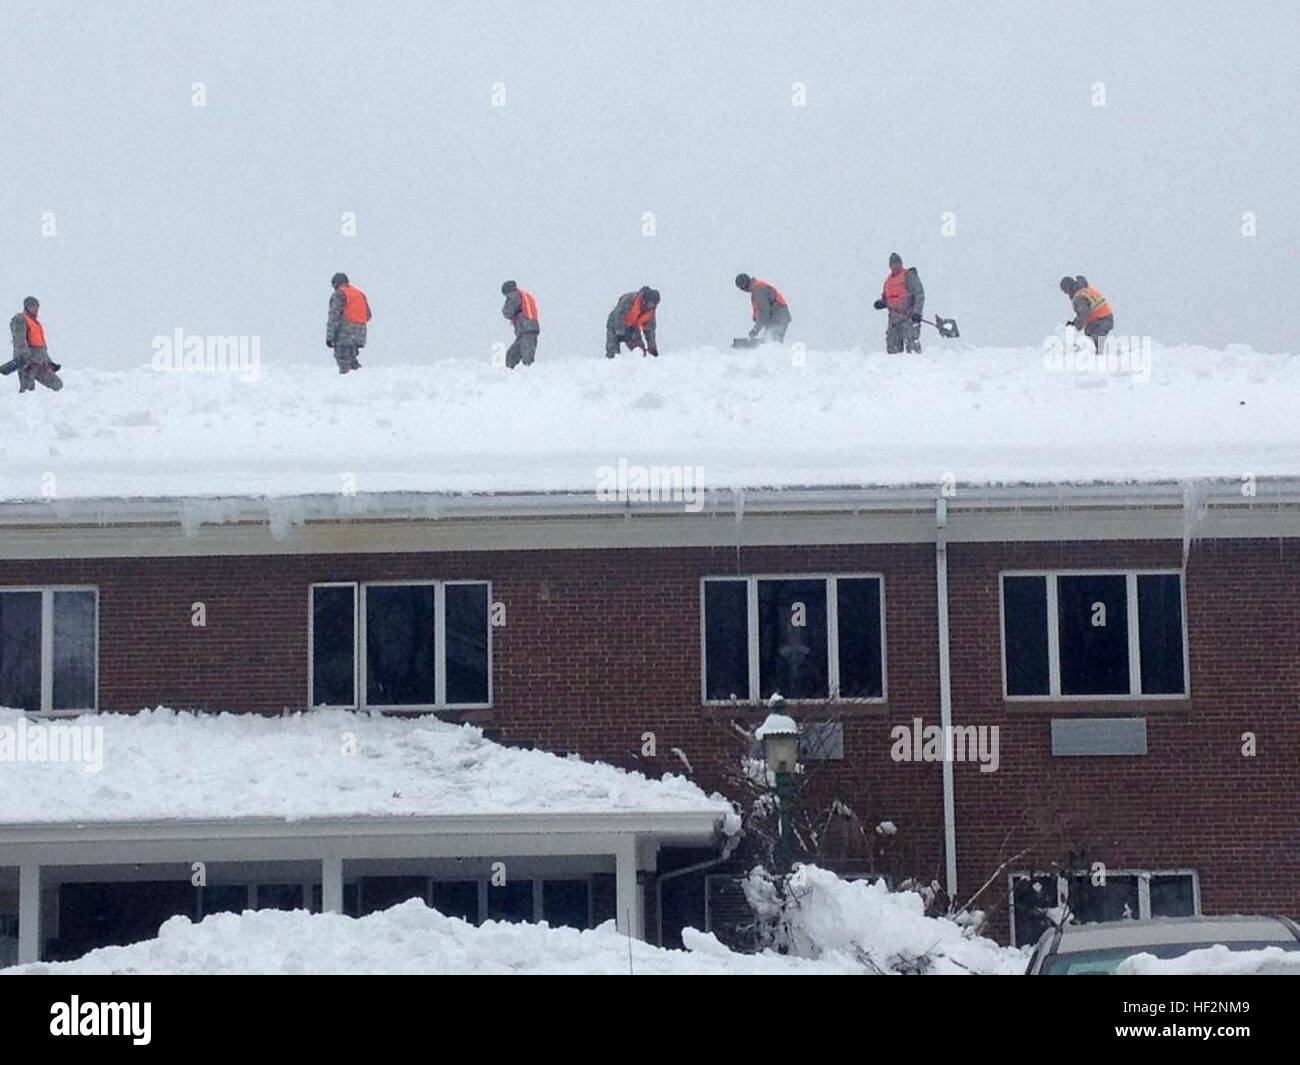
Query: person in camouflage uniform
x=345 y=330
x=632 y=322
x=520 y=310
x=904 y=297
x=31 y=356
x=771 y=312
x=1092 y=313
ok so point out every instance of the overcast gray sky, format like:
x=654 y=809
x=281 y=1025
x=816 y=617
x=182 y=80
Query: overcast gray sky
x=226 y=219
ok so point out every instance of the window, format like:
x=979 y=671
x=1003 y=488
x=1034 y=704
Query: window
x=1126 y=894
x=403 y=646
x=48 y=659
x=805 y=637
x=1093 y=635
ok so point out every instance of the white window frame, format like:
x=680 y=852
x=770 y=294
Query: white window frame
x=1143 y=881
x=1054 y=693
x=359 y=665
x=47 y=645
x=832 y=636
x=311 y=643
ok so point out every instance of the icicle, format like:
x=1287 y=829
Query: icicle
x=1195 y=506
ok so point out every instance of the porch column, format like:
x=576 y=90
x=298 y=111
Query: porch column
x=627 y=914
x=331 y=885
x=29 y=913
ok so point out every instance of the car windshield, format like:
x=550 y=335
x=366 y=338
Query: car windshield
x=1106 y=962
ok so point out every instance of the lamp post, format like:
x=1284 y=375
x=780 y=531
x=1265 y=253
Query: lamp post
x=780 y=736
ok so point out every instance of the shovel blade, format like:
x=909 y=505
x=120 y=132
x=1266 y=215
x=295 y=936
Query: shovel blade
x=947 y=326
x=745 y=342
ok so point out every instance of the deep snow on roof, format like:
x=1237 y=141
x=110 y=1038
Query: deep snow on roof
x=740 y=418
x=161 y=765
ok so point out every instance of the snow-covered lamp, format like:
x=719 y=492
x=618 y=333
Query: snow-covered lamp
x=780 y=736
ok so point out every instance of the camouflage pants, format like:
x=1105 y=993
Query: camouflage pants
x=346 y=357
x=777 y=325
x=522 y=350
x=1099 y=330
x=904 y=334
x=41 y=370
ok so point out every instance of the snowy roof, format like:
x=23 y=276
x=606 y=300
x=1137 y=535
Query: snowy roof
x=163 y=765
x=728 y=419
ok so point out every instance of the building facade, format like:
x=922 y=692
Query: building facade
x=1041 y=691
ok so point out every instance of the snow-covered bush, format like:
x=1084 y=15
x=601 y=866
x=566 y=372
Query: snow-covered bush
x=815 y=914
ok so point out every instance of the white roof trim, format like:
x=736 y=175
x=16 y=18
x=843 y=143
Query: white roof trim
x=401 y=522
x=275 y=839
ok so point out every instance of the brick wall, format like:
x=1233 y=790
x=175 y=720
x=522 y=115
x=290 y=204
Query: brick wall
x=603 y=646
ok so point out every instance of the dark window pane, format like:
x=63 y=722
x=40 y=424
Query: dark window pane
x=1094 y=656
x=1171 y=896
x=399 y=645
x=1033 y=897
x=114 y=914
x=1160 y=632
x=74 y=651
x=792 y=639
x=564 y=903
x=333 y=647
x=456 y=898
x=383 y=892
x=861 y=667
x=223 y=898
x=467 y=643
x=279 y=897
x=726 y=640
x=1024 y=622
x=20 y=650
x=1115 y=900
x=512 y=901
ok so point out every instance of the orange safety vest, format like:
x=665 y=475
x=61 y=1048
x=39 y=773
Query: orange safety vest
x=1097 y=305
x=355 y=308
x=35 y=332
x=637 y=316
x=527 y=305
x=896 y=295
x=780 y=300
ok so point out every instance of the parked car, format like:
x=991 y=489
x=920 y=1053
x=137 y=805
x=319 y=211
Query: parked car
x=1099 y=948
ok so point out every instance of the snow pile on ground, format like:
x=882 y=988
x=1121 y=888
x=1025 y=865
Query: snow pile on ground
x=161 y=765
x=769 y=417
x=843 y=921
x=1218 y=960
x=410 y=938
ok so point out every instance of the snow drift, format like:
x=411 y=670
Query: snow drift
x=775 y=416
x=847 y=921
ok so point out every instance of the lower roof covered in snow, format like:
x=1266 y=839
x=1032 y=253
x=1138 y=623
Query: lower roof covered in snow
x=161 y=765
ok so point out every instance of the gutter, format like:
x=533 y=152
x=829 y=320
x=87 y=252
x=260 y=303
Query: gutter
x=945 y=696
x=193 y=512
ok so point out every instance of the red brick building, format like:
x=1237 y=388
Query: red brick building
x=1118 y=665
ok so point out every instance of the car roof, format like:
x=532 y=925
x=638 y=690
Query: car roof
x=1129 y=933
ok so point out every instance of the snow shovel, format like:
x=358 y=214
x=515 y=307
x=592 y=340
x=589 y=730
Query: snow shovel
x=746 y=342
x=947 y=326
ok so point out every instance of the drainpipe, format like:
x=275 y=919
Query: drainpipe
x=659 y=889
x=945 y=696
